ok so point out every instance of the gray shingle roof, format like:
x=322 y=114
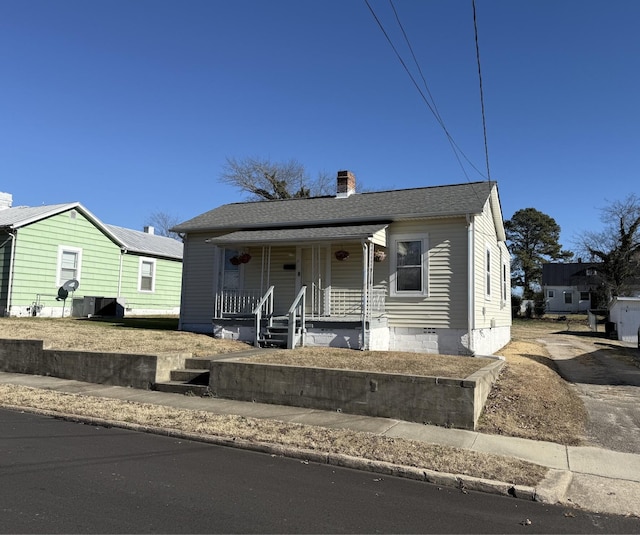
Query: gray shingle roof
x=141 y=242
x=436 y=201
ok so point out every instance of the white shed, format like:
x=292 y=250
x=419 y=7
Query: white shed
x=625 y=313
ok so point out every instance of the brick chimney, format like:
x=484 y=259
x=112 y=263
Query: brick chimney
x=6 y=200
x=346 y=184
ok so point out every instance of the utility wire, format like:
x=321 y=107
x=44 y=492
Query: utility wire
x=484 y=121
x=454 y=146
x=430 y=104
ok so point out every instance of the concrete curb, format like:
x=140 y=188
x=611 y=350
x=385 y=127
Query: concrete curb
x=552 y=489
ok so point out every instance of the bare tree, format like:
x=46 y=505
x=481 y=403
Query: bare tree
x=617 y=247
x=263 y=179
x=163 y=222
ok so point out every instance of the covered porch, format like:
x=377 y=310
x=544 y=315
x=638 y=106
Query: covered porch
x=299 y=282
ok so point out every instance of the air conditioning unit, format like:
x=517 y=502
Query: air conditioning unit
x=93 y=305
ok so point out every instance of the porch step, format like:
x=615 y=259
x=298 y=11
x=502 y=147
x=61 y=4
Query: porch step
x=179 y=387
x=191 y=376
x=276 y=335
x=187 y=381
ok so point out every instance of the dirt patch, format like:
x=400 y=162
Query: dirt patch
x=376 y=361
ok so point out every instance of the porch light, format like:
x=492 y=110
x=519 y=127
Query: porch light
x=342 y=255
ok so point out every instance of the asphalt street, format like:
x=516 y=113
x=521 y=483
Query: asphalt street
x=64 y=477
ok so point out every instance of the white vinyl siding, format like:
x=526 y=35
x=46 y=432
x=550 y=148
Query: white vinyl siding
x=147 y=275
x=491 y=258
x=199 y=272
x=69 y=264
x=446 y=303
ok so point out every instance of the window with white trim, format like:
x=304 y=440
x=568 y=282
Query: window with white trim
x=488 y=274
x=568 y=298
x=409 y=265
x=551 y=294
x=504 y=283
x=147 y=275
x=69 y=264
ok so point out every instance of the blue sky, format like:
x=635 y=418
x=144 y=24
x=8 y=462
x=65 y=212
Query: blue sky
x=132 y=106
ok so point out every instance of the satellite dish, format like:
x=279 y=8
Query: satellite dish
x=70 y=285
x=62 y=294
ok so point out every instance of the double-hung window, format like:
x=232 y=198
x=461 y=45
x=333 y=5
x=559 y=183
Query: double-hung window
x=409 y=265
x=147 y=275
x=69 y=264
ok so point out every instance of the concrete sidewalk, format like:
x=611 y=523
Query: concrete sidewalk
x=592 y=478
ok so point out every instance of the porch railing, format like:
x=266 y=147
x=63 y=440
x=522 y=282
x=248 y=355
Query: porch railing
x=349 y=302
x=296 y=309
x=337 y=303
x=264 y=307
x=236 y=302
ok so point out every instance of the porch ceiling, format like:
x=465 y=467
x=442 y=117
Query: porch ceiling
x=297 y=235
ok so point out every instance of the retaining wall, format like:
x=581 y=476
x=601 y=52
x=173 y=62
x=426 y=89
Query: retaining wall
x=431 y=400
x=118 y=369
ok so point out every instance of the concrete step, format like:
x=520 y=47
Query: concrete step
x=196 y=376
x=178 y=387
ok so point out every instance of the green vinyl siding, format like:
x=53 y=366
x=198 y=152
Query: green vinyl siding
x=166 y=284
x=36 y=259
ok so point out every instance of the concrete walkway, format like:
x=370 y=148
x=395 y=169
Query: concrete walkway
x=592 y=478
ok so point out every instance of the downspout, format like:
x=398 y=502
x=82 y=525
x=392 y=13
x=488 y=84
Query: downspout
x=471 y=301
x=123 y=252
x=11 y=263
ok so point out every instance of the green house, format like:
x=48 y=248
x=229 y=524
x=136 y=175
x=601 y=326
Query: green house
x=61 y=260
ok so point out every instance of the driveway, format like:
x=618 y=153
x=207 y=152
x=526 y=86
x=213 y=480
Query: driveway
x=607 y=382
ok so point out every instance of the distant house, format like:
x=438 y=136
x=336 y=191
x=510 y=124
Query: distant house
x=570 y=287
x=118 y=270
x=422 y=269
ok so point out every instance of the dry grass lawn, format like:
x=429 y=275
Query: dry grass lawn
x=377 y=361
x=529 y=400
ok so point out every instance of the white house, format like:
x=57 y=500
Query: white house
x=422 y=269
x=625 y=313
x=570 y=287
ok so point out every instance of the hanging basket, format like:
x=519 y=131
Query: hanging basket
x=244 y=258
x=342 y=255
x=379 y=256
x=235 y=260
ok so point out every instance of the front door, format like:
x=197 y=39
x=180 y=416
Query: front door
x=314 y=274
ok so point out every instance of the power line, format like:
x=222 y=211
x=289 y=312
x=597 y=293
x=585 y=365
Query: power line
x=430 y=103
x=484 y=121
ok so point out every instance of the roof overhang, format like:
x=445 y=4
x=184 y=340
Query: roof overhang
x=372 y=232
